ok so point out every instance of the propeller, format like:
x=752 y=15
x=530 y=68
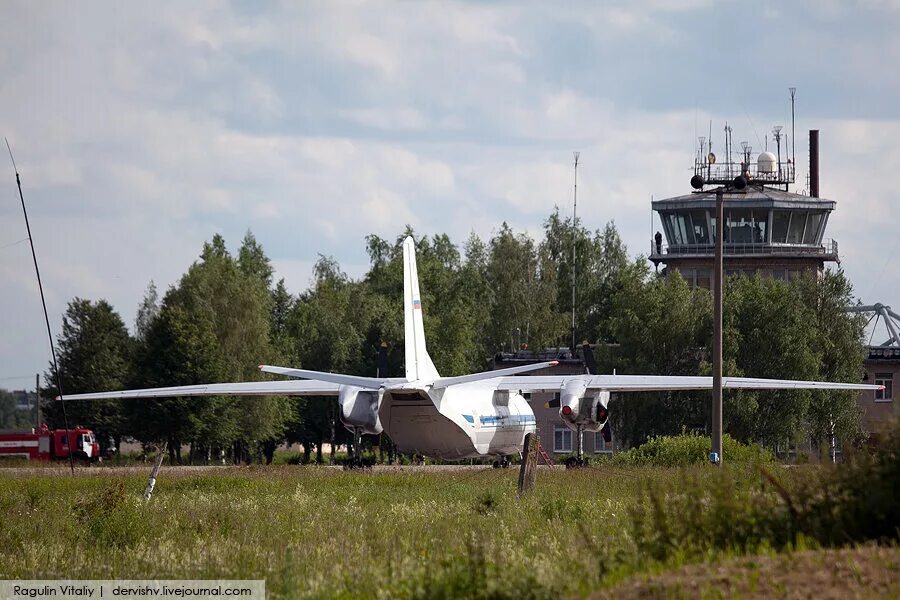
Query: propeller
x=590 y=363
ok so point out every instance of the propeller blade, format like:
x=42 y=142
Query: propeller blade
x=607 y=433
x=587 y=355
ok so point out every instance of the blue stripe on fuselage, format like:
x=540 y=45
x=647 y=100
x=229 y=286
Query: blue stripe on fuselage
x=507 y=421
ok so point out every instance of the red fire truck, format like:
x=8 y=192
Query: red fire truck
x=48 y=444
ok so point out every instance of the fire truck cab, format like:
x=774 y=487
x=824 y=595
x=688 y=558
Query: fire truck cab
x=44 y=443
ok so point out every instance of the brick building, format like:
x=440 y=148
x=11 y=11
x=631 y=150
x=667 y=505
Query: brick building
x=882 y=367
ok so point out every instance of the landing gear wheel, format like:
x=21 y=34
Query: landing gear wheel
x=358 y=463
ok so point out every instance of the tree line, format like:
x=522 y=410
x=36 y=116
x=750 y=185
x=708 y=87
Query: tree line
x=226 y=315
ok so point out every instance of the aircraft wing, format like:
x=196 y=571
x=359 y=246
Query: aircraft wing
x=247 y=388
x=663 y=383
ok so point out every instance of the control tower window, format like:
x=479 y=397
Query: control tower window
x=680 y=225
x=797 y=228
x=781 y=220
x=739 y=226
x=760 y=226
x=701 y=227
x=813 y=227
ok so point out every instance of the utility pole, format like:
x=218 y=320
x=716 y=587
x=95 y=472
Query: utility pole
x=715 y=456
x=574 y=240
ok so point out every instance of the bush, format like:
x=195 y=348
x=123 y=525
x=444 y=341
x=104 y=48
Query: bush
x=689 y=449
x=855 y=502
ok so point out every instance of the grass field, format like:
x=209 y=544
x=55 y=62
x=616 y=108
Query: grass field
x=317 y=532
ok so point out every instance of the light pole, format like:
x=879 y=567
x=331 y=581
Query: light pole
x=739 y=183
x=725 y=185
x=715 y=455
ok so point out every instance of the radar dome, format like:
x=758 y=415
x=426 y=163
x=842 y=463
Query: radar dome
x=766 y=163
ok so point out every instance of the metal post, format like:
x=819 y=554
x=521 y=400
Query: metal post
x=154 y=472
x=579 y=445
x=716 y=452
x=793 y=91
x=528 y=470
x=37 y=401
x=574 y=242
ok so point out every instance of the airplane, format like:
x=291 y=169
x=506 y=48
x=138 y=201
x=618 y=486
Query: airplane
x=480 y=415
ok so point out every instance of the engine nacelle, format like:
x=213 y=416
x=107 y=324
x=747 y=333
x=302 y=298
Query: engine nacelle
x=580 y=408
x=359 y=409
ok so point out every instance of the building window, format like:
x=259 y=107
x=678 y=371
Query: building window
x=562 y=439
x=887 y=380
x=600 y=446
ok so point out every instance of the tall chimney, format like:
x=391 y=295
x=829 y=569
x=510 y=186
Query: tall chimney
x=814 y=163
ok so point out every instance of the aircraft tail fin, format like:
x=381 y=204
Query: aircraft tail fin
x=418 y=363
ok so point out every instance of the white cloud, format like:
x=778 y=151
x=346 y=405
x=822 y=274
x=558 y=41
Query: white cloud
x=142 y=131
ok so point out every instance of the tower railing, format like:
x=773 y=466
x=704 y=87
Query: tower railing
x=714 y=174
x=827 y=248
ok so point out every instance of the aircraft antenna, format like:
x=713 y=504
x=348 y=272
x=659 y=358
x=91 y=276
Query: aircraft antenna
x=37 y=272
x=793 y=91
x=574 y=243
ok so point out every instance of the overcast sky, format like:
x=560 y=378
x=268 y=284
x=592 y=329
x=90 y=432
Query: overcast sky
x=142 y=129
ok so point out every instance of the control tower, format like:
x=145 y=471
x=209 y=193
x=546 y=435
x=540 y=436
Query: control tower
x=768 y=229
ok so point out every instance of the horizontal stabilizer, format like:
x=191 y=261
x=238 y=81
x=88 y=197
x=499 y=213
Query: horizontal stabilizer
x=445 y=381
x=248 y=388
x=338 y=378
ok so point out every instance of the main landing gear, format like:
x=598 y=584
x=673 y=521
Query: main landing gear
x=502 y=463
x=578 y=461
x=573 y=462
x=357 y=461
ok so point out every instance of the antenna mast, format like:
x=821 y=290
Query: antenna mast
x=574 y=242
x=793 y=91
x=44 y=304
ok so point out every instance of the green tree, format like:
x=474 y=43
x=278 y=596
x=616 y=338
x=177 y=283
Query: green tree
x=840 y=344
x=214 y=326
x=325 y=327
x=10 y=416
x=523 y=280
x=94 y=353
x=147 y=311
x=661 y=328
x=771 y=333
x=600 y=258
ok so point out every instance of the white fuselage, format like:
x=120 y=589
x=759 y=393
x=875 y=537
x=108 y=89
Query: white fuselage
x=461 y=421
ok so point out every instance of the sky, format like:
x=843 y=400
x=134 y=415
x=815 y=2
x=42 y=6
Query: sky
x=142 y=129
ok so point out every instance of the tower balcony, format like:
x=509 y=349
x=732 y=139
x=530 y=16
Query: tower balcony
x=826 y=250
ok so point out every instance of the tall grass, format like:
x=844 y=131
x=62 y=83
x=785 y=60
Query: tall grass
x=811 y=506
x=316 y=532
x=313 y=532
